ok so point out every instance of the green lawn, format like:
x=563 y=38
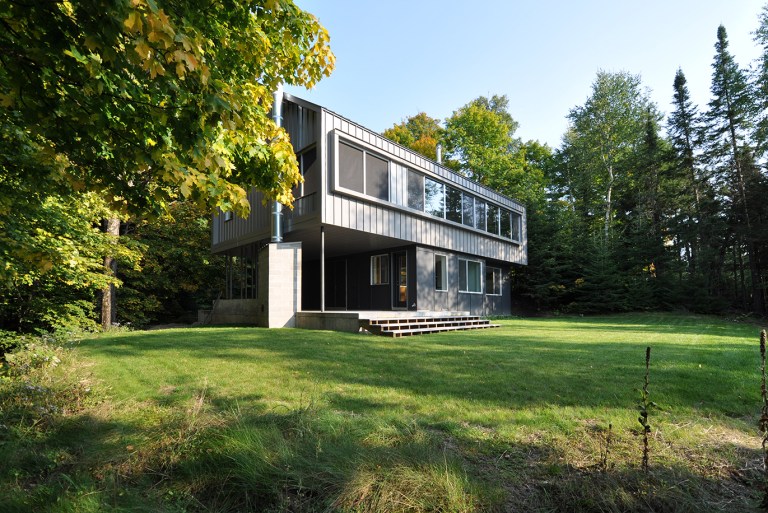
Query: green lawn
x=511 y=419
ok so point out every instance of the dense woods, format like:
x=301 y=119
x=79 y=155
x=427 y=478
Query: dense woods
x=635 y=210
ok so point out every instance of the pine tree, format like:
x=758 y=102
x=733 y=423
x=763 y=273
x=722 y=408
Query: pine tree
x=695 y=221
x=730 y=121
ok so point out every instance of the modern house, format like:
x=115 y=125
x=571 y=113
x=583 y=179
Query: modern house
x=374 y=227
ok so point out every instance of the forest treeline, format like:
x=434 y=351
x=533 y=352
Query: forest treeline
x=634 y=211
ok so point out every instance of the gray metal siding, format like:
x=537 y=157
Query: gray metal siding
x=303 y=124
x=452 y=300
x=239 y=230
x=307 y=125
x=393 y=218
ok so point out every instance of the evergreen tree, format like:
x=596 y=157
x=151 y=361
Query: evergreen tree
x=695 y=218
x=730 y=120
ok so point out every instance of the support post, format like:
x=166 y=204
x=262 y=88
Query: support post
x=322 y=268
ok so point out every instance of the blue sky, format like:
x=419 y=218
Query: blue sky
x=396 y=58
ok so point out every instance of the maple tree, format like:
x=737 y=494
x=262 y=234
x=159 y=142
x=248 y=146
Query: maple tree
x=145 y=99
x=116 y=108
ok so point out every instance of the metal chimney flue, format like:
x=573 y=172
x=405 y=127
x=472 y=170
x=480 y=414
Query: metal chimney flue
x=439 y=151
x=277 y=207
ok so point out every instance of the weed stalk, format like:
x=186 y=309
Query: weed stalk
x=645 y=405
x=764 y=417
x=604 y=457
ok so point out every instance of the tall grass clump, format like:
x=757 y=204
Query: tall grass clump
x=311 y=460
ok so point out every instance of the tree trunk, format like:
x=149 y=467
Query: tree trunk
x=108 y=297
x=608 y=203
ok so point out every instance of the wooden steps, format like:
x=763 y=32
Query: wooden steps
x=407 y=326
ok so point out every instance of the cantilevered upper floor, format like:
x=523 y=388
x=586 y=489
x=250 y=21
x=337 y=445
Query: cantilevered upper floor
x=370 y=193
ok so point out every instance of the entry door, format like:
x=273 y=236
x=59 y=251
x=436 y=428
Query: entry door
x=400 y=282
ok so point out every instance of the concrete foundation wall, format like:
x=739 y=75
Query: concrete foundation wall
x=234 y=311
x=333 y=321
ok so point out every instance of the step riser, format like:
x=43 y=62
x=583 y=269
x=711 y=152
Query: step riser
x=404 y=327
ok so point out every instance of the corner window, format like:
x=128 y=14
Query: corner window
x=493 y=281
x=469 y=276
x=441 y=273
x=515 y=224
x=511 y=223
x=380 y=270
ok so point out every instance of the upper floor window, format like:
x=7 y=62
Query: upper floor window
x=480 y=215
x=376 y=177
x=363 y=172
x=468 y=210
x=367 y=173
x=308 y=167
x=434 y=198
x=415 y=190
x=453 y=204
x=492 y=219
x=350 y=167
x=515 y=229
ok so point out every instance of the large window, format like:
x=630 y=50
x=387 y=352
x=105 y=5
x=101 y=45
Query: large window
x=366 y=173
x=376 y=177
x=453 y=204
x=380 y=270
x=469 y=276
x=350 y=168
x=434 y=198
x=441 y=272
x=493 y=281
x=415 y=190
x=363 y=172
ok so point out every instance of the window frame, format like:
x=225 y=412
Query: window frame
x=464 y=263
x=365 y=153
x=408 y=174
x=497 y=281
x=382 y=278
x=444 y=280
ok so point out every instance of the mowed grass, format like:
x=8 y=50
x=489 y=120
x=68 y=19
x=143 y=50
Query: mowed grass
x=509 y=419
